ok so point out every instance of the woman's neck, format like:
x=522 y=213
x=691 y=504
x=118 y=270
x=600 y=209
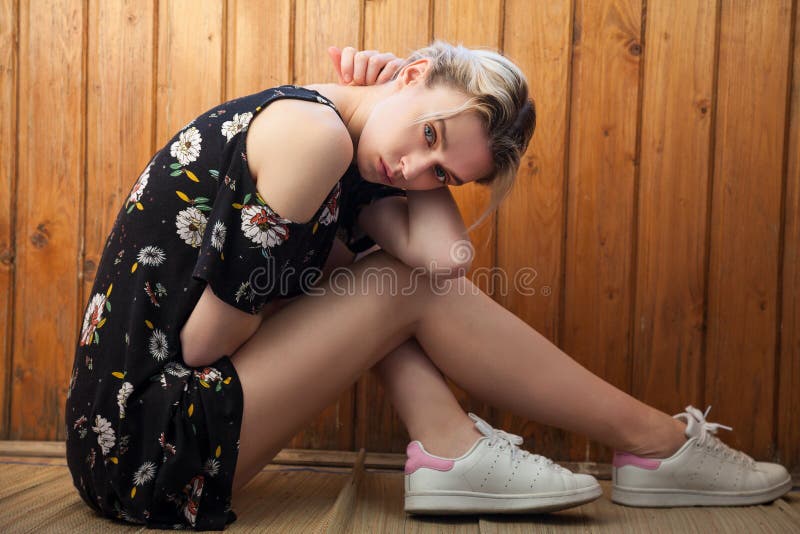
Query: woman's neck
x=355 y=103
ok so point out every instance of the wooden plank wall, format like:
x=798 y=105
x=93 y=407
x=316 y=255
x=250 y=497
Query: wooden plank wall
x=657 y=208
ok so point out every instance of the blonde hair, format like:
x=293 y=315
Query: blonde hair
x=498 y=93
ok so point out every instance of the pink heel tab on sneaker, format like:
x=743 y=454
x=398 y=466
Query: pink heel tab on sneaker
x=626 y=458
x=417 y=457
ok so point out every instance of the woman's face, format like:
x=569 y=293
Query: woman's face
x=422 y=156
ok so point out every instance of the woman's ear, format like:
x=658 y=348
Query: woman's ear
x=415 y=72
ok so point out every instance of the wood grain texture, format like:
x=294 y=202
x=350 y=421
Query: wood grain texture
x=339 y=516
x=318 y=25
x=8 y=108
x=258 y=46
x=190 y=62
x=745 y=221
x=675 y=154
x=50 y=190
x=788 y=422
x=295 y=499
x=658 y=202
x=600 y=193
x=399 y=27
x=530 y=223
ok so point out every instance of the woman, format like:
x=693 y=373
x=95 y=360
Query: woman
x=229 y=331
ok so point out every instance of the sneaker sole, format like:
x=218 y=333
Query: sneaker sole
x=470 y=502
x=659 y=498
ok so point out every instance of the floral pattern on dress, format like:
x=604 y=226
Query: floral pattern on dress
x=144 y=430
x=122 y=397
x=137 y=191
x=187 y=147
x=93 y=318
x=218 y=235
x=263 y=226
x=191 y=224
x=151 y=256
x=239 y=123
x=330 y=213
x=105 y=433
x=159 y=346
x=155 y=293
x=144 y=474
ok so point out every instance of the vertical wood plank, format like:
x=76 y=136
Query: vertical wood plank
x=258 y=46
x=646 y=335
x=50 y=189
x=677 y=104
x=745 y=220
x=318 y=25
x=119 y=107
x=788 y=422
x=530 y=223
x=8 y=128
x=190 y=62
x=400 y=27
x=397 y=26
x=473 y=24
x=600 y=193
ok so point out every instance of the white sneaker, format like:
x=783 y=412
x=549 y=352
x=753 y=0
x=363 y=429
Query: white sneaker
x=494 y=476
x=704 y=472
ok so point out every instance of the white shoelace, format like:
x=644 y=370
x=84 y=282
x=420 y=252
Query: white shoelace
x=709 y=440
x=512 y=441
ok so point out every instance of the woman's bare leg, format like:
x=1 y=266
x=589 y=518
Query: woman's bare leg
x=426 y=405
x=304 y=356
x=424 y=402
x=497 y=357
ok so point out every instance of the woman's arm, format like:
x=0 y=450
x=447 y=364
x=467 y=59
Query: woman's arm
x=295 y=138
x=421 y=230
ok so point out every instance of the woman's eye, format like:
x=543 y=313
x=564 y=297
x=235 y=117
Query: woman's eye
x=432 y=132
x=443 y=177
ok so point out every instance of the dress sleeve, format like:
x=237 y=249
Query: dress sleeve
x=243 y=241
x=362 y=194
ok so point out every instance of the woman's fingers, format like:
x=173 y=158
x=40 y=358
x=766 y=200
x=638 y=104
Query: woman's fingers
x=389 y=69
x=361 y=66
x=336 y=58
x=346 y=64
x=365 y=67
x=377 y=66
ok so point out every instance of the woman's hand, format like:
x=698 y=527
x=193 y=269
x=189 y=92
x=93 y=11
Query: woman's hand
x=367 y=67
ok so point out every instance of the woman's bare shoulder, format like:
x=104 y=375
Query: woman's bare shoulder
x=296 y=151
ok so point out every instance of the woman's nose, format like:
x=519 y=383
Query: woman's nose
x=413 y=168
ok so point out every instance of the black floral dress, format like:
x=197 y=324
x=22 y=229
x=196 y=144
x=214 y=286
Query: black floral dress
x=151 y=440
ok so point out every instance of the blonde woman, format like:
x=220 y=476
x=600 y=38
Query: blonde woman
x=230 y=329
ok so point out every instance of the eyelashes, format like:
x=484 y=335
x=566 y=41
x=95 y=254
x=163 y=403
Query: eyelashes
x=425 y=127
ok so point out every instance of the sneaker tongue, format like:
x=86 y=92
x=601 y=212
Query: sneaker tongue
x=483 y=427
x=693 y=426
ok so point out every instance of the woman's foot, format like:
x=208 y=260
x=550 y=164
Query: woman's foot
x=665 y=436
x=493 y=476
x=453 y=441
x=702 y=472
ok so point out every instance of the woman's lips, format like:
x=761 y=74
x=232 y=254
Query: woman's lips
x=385 y=172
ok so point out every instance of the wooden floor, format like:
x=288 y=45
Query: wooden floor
x=36 y=495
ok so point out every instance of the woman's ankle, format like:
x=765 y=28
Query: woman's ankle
x=662 y=443
x=451 y=442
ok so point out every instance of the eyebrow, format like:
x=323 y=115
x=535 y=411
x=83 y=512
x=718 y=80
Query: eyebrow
x=444 y=147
